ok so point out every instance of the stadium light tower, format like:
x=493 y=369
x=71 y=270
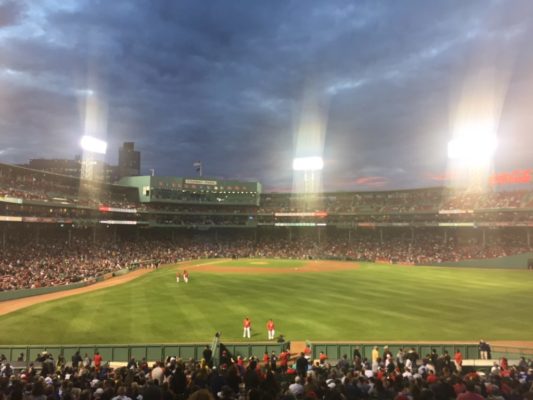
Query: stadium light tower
x=92 y=168
x=472 y=148
x=471 y=153
x=307 y=164
x=310 y=167
x=93 y=145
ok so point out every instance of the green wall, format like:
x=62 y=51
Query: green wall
x=518 y=261
x=336 y=351
x=152 y=352
x=19 y=294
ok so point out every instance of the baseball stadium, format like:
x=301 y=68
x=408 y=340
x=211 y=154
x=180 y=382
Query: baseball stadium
x=96 y=265
x=393 y=261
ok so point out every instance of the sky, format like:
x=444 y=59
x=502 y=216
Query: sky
x=377 y=88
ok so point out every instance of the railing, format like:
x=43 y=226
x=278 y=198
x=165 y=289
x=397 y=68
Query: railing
x=151 y=352
x=336 y=351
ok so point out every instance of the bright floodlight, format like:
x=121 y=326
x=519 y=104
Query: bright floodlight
x=94 y=145
x=307 y=164
x=472 y=147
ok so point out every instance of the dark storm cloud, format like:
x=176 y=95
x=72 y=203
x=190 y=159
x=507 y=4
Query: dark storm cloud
x=223 y=82
x=10 y=13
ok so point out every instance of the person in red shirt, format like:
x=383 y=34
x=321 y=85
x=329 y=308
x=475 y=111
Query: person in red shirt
x=240 y=361
x=308 y=352
x=185 y=276
x=470 y=393
x=97 y=360
x=266 y=359
x=432 y=378
x=271 y=329
x=458 y=361
x=247 y=326
x=504 y=364
x=284 y=359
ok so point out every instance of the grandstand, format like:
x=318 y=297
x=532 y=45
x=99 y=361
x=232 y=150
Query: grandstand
x=475 y=225
x=62 y=232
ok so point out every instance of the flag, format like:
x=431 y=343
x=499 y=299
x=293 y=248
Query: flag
x=197 y=166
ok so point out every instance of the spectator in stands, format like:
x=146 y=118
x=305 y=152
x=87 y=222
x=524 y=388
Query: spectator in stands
x=76 y=359
x=208 y=356
x=302 y=365
x=483 y=350
x=375 y=354
x=471 y=392
x=458 y=360
x=97 y=360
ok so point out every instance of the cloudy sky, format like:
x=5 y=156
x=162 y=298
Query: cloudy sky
x=377 y=87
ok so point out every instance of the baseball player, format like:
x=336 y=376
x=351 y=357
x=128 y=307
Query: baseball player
x=247 y=326
x=271 y=329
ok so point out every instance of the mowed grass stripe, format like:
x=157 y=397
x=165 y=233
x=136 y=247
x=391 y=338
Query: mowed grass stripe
x=374 y=302
x=247 y=263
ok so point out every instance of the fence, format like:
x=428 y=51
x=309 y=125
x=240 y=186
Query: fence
x=335 y=351
x=152 y=352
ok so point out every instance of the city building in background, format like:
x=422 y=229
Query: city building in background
x=129 y=164
x=129 y=160
x=57 y=166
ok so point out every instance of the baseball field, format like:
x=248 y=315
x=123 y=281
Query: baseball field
x=315 y=300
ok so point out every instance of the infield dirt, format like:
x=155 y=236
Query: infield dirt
x=309 y=266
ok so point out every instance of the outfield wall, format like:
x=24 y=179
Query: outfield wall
x=21 y=293
x=518 y=261
x=335 y=351
x=152 y=352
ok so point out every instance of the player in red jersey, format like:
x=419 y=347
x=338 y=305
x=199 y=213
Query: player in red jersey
x=247 y=326
x=271 y=329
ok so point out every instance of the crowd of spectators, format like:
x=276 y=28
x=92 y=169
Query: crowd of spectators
x=397 y=202
x=36 y=185
x=386 y=376
x=28 y=265
x=54 y=260
x=24 y=184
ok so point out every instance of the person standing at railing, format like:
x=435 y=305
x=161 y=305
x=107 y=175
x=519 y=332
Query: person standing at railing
x=483 y=350
x=458 y=360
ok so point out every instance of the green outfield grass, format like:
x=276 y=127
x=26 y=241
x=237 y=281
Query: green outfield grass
x=255 y=263
x=374 y=302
